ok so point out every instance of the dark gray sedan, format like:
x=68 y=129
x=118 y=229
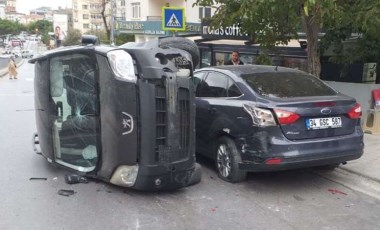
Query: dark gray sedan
x=267 y=118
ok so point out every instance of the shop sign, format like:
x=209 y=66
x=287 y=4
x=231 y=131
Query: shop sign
x=232 y=32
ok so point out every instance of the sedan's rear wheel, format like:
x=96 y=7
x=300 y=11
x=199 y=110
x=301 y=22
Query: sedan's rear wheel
x=227 y=161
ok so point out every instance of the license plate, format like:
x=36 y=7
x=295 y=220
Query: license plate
x=323 y=123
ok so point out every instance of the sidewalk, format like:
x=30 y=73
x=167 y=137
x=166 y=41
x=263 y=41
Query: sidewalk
x=368 y=165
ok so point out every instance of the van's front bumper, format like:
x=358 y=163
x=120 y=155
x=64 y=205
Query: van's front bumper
x=169 y=177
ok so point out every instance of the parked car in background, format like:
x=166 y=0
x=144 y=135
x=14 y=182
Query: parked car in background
x=267 y=118
x=7 y=51
x=16 y=52
x=27 y=54
x=16 y=43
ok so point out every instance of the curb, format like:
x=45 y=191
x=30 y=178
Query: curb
x=359 y=174
x=352 y=181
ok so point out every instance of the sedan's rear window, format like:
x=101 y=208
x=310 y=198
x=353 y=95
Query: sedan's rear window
x=287 y=85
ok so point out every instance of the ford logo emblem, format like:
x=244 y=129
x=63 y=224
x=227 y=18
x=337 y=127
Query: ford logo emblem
x=325 y=111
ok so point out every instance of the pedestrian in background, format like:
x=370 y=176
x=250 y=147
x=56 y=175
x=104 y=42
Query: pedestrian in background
x=235 y=59
x=59 y=36
x=12 y=68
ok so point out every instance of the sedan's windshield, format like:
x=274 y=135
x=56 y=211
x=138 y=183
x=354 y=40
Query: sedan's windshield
x=287 y=85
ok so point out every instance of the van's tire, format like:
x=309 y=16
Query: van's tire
x=227 y=159
x=183 y=44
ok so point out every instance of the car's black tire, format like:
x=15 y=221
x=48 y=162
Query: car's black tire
x=183 y=44
x=227 y=159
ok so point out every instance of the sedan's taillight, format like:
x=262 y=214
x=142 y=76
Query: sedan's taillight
x=260 y=117
x=286 y=117
x=356 y=112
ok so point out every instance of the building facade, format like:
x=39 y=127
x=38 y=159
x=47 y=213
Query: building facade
x=87 y=14
x=144 y=18
x=10 y=5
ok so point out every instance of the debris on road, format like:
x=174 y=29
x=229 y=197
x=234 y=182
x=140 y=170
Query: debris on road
x=38 y=178
x=66 y=192
x=75 y=179
x=336 y=191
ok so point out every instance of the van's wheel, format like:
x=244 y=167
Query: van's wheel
x=183 y=44
x=227 y=159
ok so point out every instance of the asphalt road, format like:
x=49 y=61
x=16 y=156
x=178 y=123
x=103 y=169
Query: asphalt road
x=298 y=199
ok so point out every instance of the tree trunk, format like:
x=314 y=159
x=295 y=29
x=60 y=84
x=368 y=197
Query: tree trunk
x=102 y=12
x=311 y=24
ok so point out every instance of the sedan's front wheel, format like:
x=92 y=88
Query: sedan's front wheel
x=227 y=161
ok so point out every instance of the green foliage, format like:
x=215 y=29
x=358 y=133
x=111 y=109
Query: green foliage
x=101 y=34
x=45 y=39
x=40 y=26
x=360 y=17
x=73 y=37
x=124 y=38
x=272 y=22
x=263 y=59
x=10 y=27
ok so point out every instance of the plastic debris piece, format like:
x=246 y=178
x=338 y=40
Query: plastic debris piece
x=75 y=179
x=38 y=178
x=336 y=191
x=66 y=192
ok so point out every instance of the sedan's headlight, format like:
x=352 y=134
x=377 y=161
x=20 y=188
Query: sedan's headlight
x=122 y=65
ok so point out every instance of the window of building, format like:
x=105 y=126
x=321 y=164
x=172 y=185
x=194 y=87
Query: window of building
x=84 y=7
x=122 y=3
x=136 y=10
x=86 y=26
x=86 y=16
x=204 y=12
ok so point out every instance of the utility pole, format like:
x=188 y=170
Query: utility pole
x=112 y=38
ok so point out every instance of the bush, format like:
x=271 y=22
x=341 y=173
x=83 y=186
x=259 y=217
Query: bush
x=124 y=38
x=73 y=37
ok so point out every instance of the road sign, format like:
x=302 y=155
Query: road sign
x=173 y=18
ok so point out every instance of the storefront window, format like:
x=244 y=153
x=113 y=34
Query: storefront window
x=295 y=63
x=206 y=58
x=221 y=58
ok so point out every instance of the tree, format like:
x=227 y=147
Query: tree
x=272 y=22
x=104 y=4
x=124 y=38
x=102 y=7
x=358 y=17
x=73 y=37
x=42 y=26
x=9 y=27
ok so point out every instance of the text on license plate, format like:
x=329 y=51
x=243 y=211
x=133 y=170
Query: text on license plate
x=323 y=123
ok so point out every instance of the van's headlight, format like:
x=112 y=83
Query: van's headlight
x=122 y=65
x=125 y=175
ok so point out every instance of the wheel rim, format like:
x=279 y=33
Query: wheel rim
x=223 y=160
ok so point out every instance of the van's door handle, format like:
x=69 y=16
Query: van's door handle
x=212 y=110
